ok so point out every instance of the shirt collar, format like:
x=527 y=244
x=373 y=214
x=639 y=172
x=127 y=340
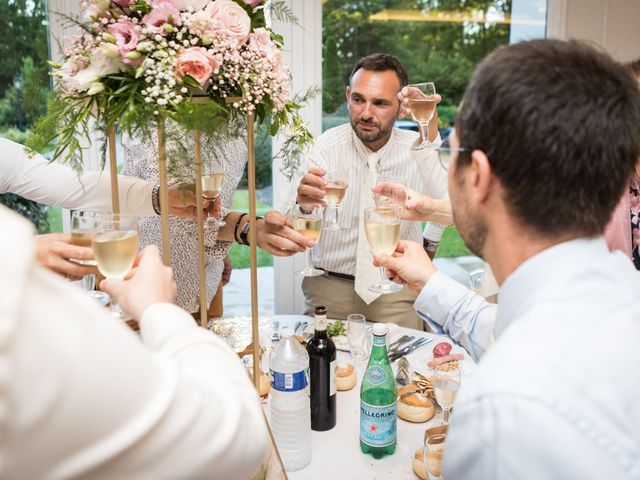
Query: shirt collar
x=544 y=274
x=366 y=155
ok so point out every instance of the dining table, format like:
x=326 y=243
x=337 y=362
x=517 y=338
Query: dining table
x=336 y=454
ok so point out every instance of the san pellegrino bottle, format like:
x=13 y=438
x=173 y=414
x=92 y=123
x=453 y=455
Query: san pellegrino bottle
x=378 y=403
x=322 y=375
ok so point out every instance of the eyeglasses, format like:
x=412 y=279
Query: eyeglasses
x=445 y=155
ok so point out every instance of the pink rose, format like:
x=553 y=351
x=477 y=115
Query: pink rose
x=260 y=40
x=230 y=20
x=163 y=13
x=254 y=3
x=126 y=34
x=197 y=63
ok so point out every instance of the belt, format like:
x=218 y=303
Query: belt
x=343 y=276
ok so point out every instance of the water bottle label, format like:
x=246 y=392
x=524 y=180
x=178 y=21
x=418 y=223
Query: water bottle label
x=376 y=375
x=378 y=424
x=289 y=382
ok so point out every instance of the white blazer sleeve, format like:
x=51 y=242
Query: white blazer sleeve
x=35 y=178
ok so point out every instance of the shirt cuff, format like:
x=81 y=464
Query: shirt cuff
x=438 y=297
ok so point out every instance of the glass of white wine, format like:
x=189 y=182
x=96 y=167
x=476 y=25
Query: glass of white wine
x=83 y=228
x=335 y=190
x=423 y=108
x=212 y=183
x=308 y=220
x=446 y=379
x=115 y=245
x=382 y=228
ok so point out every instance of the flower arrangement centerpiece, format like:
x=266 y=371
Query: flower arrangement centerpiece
x=134 y=62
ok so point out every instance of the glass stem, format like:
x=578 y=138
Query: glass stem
x=308 y=260
x=445 y=417
x=383 y=277
x=424 y=131
x=334 y=209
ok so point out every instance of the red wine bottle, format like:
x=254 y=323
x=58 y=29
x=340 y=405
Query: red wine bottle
x=322 y=374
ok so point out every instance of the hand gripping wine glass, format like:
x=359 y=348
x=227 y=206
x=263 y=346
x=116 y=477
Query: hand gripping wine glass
x=382 y=227
x=446 y=379
x=422 y=105
x=338 y=182
x=115 y=245
x=389 y=192
x=432 y=454
x=212 y=183
x=308 y=219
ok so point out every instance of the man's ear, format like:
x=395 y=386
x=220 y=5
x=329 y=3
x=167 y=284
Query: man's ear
x=348 y=93
x=480 y=170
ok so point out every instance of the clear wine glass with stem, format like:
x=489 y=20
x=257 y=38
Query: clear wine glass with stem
x=422 y=108
x=382 y=228
x=212 y=183
x=83 y=227
x=446 y=380
x=335 y=190
x=115 y=246
x=356 y=337
x=432 y=454
x=389 y=192
x=308 y=220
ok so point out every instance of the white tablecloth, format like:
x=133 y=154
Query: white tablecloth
x=336 y=454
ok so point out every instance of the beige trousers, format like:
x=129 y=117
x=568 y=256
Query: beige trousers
x=338 y=295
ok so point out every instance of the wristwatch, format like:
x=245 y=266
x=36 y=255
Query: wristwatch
x=244 y=232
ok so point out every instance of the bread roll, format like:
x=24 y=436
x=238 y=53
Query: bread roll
x=345 y=377
x=418 y=465
x=415 y=408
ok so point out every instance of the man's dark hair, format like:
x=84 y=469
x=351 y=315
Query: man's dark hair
x=560 y=124
x=634 y=67
x=381 y=62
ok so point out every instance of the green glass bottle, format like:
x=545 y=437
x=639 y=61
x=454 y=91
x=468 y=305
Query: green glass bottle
x=378 y=402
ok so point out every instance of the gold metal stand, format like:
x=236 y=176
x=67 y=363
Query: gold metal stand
x=164 y=196
x=113 y=168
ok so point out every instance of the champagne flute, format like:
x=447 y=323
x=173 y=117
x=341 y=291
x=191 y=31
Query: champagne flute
x=212 y=183
x=382 y=228
x=83 y=227
x=423 y=108
x=308 y=219
x=432 y=454
x=115 y=245
x=356 y=337
x=334 y=193
x=446 y=379
x=390 y=192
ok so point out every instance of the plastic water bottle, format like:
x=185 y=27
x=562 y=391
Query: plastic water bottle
x=290 y=407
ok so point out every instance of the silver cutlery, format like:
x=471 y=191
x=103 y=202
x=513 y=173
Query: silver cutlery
x=409 y=348
x=395 y=349
x=295 y=329
x=403 y=339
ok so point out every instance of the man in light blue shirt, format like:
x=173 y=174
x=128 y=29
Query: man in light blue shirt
x=547 y=137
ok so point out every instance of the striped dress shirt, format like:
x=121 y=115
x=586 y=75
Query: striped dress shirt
x=416 y=168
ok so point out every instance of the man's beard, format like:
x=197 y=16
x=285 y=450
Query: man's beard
x=370 y=137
